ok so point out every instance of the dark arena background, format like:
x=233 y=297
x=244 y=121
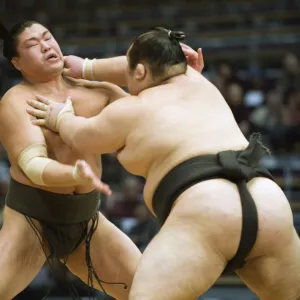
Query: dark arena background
x=251 y=53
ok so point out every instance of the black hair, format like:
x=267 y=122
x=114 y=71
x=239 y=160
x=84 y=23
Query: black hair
x=10 y=38
x=159 y=49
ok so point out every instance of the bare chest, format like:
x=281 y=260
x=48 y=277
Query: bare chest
x=86 y=103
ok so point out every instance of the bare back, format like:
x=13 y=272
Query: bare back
x=185 y=118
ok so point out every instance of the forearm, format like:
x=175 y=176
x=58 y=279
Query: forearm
x=72 y=131
x=111 y=70
x=44 y=171
x=57 y=174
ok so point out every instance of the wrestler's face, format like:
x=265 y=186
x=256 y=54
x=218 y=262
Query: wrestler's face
x=39 y=53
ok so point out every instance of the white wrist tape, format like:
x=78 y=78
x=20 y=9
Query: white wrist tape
x=88 y=69
x=68 y=108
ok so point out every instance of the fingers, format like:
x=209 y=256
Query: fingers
x=184 y=46
x=80 y=164
x=200 y=59
x=36 y=113
x=40 y=122
x=87 y=173
x=43 y=99
x=38 y=105
x=102 y=187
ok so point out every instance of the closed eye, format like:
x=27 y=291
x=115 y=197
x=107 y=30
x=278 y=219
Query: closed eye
x=48 y=37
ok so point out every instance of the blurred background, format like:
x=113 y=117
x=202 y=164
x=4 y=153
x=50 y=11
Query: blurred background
x=251 y=52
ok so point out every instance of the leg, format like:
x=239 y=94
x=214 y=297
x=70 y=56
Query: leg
x=178 y=264
x=114 y=257
x=273 y=267
x=21 y=254
x=277 y=276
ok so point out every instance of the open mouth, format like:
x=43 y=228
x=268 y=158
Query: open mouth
x=52 y=57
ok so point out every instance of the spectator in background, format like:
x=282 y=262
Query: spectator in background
x=235 y=99
x=268 y=116
x=292 y=109
x=223 y=77
x=113 y=172
x=254 y=95
x=4 y=176
x=287 y=135
x=122 y=210
x=291 y=74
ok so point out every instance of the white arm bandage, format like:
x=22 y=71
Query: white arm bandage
x=33 y=161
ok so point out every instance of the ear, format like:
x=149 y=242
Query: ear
x=140 y=72
x=16 y=63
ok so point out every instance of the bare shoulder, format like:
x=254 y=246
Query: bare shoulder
x=112 y=91
x=13 y=105
x=15 y=95
x=128 y=103
x=16 y=130
x=125 y=109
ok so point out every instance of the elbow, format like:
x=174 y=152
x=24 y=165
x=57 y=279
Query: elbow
x=34 y=169
x=33 y=161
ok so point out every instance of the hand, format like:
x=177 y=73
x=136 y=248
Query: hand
x=84 y=174
x=46 y=111
x=194 y=59
x=73 y=66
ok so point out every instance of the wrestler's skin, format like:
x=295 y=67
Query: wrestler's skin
x=154 y=131
x=113 y=254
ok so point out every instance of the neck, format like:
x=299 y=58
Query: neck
x=49 y=85
x=175 y=78
x=176 y=74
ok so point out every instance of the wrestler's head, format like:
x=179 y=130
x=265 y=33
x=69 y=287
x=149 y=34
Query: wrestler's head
x=32 y=49
x=154 y=57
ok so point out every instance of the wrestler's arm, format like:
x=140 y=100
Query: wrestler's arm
x=114 y=69
x=17 y=134
x=112 y=91
x=102 y=69
x=104 y=133
x=111 y=70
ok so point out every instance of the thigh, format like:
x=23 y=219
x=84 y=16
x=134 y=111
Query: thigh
x=176 y=265
x=21 y=254
x=272 y=270
x=114 y=257
x=275 y=276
